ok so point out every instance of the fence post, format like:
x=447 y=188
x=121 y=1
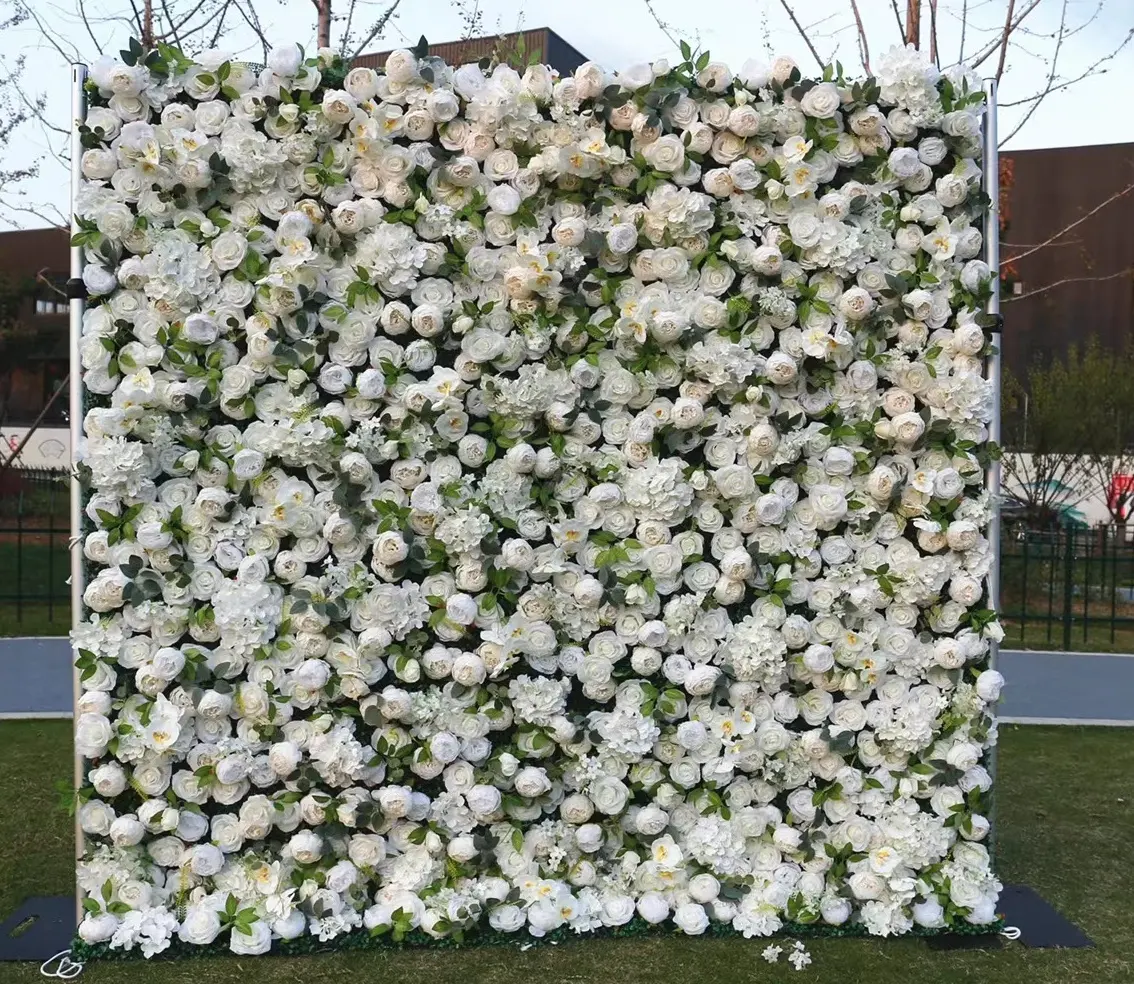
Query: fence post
x=1068 y=585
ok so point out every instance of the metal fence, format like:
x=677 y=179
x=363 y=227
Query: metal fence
x=1066 y=588
x=1069 y=587
x=34 y=559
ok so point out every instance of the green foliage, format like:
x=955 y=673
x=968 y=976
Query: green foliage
x=1083 y=402
x=1071 y=422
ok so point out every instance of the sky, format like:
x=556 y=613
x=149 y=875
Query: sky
x=618 y=33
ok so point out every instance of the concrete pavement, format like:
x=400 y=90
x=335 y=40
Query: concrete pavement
x=1042 y=687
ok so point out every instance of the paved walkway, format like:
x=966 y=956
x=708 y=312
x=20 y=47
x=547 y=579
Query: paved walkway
x=1065 y=688
x=35 y=678
x=1043 y=687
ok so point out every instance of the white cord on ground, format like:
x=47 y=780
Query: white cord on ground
x=67 y=968
x=1010 y=932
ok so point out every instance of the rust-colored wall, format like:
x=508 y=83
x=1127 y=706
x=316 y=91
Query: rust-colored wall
x=1050 y=190
x=25 y=388
x=24 y=255
x=24 y=252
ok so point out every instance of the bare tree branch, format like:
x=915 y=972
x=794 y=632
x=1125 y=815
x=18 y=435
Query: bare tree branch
x=1005 y=38
x=934 y=53
x=220 y=24
x=41 y=277
x=42 y=32
x=348 y=27
x=472 y=19
x=379 y=26
x=1059 y=37
x=989 y=49
x=964 y=28
x=802 y=33
x=90 y=30
x=1095 y=68
x=173 y=33
x=199 y=28
x=1127 y=272
x=49 y=213
x=1067 y=228
x=863 y=43
x=898 y=18
x=666 y=29
x=252 y=19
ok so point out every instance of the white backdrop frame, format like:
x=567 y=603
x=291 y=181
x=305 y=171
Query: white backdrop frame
x=990 y=179
x=77 y=410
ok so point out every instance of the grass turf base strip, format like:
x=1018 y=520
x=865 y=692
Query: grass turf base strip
x=636 y=928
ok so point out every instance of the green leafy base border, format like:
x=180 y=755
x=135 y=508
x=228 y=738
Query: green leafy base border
x=635 y=929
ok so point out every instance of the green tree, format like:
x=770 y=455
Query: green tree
x=1068 y=428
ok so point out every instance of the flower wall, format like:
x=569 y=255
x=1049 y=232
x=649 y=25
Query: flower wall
x=531 y=504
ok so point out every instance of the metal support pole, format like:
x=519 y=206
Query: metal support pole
x=77 y=307
x=990 y=170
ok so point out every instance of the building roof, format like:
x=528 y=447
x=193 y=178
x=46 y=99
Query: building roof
x=540 y=44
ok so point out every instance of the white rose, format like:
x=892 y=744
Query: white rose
x=97 y=928
x=856 y=304
x=988 y=685
x=531 y=782
x=285 y=60
x=306 y=847
x=609 y=795
x=258 y=940
x=834 y=910
x=483 y=800
x=821 y=101
x=228 y=251
x=93 y=733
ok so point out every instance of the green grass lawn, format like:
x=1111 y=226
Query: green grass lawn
x=1065 y=820
x=35 y=619
x=35 y=598
x=1092 y=638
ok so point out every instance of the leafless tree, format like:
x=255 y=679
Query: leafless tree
x=18 y=110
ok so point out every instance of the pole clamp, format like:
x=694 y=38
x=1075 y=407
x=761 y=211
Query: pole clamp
x=76 y=289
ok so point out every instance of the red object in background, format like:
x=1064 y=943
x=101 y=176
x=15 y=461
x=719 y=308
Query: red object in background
x=1121 y=492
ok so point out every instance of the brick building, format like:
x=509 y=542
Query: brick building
x=33 y=358
x=1079 y=284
